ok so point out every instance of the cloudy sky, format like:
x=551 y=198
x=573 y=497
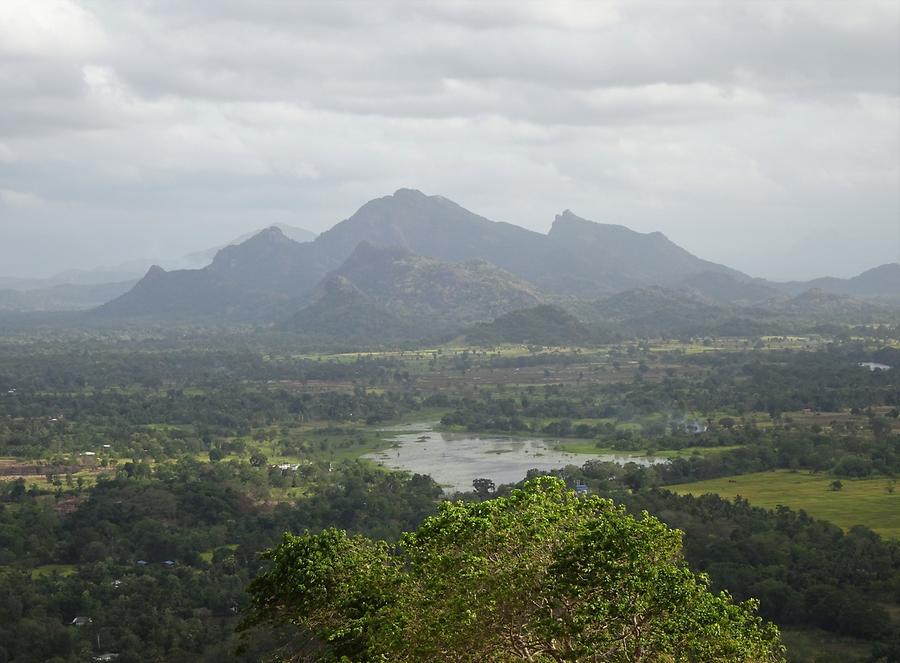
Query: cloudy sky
x=763 y=135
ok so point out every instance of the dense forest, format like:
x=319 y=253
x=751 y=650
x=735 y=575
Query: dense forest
x=145 y=476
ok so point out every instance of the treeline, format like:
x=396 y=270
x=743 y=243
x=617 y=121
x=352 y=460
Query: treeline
x=68 y=369
x=784 y=381
x=733 y=383
x=170 y=423
x=838 y=455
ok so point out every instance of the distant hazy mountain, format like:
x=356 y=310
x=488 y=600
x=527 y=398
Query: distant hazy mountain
x=132 y=270
x=427 y=269
x=127 y=271
x=435 y=227
x=64 y=297
x=185 y=295
x=200 y=259
x=243 y=282
x=879 y=282
x=612 y=257
x=268 y=262
x=577 y=257
x=722 y=288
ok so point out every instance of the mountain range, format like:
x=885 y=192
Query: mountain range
x=576 y=258
x=417 y=265
x=80 y=289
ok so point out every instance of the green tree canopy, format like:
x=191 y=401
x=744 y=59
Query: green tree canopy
x=540 y=575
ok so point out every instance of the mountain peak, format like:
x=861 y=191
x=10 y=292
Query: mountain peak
x=267 y=262
x=887 y=269
x=154 y=271
x=408 y=193
x=568 y=216
x=568 y=221
x=271 y=233
x=267 y=239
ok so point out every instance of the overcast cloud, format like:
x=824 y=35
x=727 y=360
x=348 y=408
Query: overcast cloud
x=763 y=135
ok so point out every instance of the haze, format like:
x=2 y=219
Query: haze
x=761 y=135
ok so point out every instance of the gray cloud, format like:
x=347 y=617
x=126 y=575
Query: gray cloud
x=149 y=129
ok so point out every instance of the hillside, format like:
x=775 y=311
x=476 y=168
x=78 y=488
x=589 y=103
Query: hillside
x=613 y=257
x=200 y=259
x=819 y=305
x=243 y=282
x=384 y=293
x=186 y=295
x=879 y=282
x=650 y=312
x=432 y=226
x=343 y=313
x=724 y=288
x=63 y=297
x=268 y=262
x=461 y=292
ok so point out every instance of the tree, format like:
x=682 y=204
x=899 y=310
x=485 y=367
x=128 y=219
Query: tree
x=541 y=575
x=17 y=490
x=483 y=487
x=258 y=459
x=879 y=426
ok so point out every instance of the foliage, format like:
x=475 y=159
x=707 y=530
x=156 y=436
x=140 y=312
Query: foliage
x=155 y=404
x=540 y=325
x=539 y=575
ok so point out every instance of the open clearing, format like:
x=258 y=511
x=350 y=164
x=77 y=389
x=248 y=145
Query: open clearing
x=859 y=502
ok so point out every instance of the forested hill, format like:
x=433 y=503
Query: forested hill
x=879 y=282
x=410 y=296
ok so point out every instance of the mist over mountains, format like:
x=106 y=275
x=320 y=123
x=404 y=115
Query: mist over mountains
x=413 y=265
x=577 y=258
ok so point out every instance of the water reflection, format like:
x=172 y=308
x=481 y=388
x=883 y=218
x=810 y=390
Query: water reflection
x=455 y=459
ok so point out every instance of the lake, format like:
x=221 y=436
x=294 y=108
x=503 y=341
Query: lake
x=455 y=459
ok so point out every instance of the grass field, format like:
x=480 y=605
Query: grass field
x=207 y=555
x=859 y=502
x=50 y=569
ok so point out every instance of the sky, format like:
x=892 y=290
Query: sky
x=764 y=135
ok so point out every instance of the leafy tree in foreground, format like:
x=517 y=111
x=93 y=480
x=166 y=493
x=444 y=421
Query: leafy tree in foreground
x=541 y=575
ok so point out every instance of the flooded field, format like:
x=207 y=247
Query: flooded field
x=455 y=459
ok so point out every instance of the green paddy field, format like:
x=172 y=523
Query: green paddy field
x=868 y=502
